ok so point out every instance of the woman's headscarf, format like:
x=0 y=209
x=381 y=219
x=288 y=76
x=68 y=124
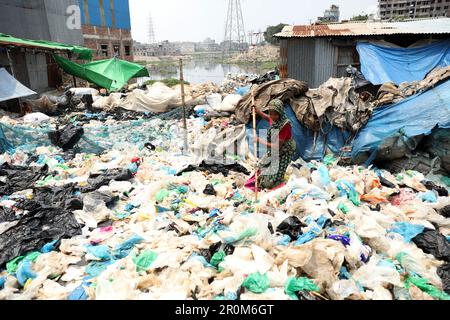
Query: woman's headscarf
x=278 y=106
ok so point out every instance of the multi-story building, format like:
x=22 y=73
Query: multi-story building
x=395 y=9
x=106 y=27
x=330 y=15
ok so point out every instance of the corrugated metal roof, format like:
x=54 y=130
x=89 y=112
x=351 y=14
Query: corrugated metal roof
x=425 y=26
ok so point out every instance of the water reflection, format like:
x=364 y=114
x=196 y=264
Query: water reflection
x=201 y=71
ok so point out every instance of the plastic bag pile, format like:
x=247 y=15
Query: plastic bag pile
x=134 y=223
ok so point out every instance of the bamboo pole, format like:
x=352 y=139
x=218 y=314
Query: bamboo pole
x=184 y=106
x=255 y=144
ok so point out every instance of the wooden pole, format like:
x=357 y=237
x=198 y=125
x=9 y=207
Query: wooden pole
x=184 y=106
x=255 y=144
x=11 y=63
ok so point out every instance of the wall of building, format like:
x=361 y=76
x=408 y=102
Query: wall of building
x=107 y=23
x=38 y=20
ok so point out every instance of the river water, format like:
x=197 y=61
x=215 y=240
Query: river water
x=201 y=71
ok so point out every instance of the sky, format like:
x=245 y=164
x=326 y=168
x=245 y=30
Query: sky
x=195 y=20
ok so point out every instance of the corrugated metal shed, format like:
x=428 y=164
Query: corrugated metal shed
x=425 y=26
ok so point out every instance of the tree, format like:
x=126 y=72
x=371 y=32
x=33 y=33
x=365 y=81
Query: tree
x=360 y=17
x=271 y=30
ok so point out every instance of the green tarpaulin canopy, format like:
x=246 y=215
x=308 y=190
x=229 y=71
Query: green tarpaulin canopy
x=81 y=52
x=111 y=74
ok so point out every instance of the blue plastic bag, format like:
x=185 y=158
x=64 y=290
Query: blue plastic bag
x=49 y=247
x=24 y=272
x=100 y=252
x=429 y=197
x=407 y=230
x=124 y=249
x=2 y=282
x=78 y=294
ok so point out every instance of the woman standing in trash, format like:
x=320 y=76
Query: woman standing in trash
x=273 y=166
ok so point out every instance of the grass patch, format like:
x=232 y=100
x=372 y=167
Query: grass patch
x=168 y=82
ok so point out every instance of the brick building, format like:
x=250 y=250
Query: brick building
x=106 y=27
x=392 y=9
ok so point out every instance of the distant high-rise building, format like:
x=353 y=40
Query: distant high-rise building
x=392 y=9
x=330 y=15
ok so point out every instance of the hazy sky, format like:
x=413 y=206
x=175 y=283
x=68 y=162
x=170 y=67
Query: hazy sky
x=195 y=20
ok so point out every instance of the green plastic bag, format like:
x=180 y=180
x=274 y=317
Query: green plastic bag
x=329 y=160
x=256 y=283
x=217 y=258
x=182 y=189
x=162 y=194
x=12 y=265
x=144 y=260
x=426 y=287
x=294 y=285
x=343 y=208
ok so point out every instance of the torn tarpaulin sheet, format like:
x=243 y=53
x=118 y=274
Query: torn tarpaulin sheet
x=32 y=231
x=10 y=88
x=412 y=117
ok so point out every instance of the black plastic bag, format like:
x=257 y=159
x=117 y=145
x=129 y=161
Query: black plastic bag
x=20 y=178
x=216 y=169
x=445 y=211
x=61 y=197
x=40 y=226
x=385 y=182
x=96 y=181
x=209 y=190
x=432 y=242
x=292 y=227
x=444 y=273
x=432 y=186
x=67 y=137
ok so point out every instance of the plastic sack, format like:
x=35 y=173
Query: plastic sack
x=35 y=118
x=214 y=100
x=256 y=283
x=229 y=103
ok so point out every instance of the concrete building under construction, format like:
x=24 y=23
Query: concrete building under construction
x=394 y=9
x=106 y=27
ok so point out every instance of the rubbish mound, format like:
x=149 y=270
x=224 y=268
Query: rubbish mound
x=152 y=224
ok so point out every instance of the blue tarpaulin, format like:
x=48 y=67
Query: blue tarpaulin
x=381 y=64
x=414 y=116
